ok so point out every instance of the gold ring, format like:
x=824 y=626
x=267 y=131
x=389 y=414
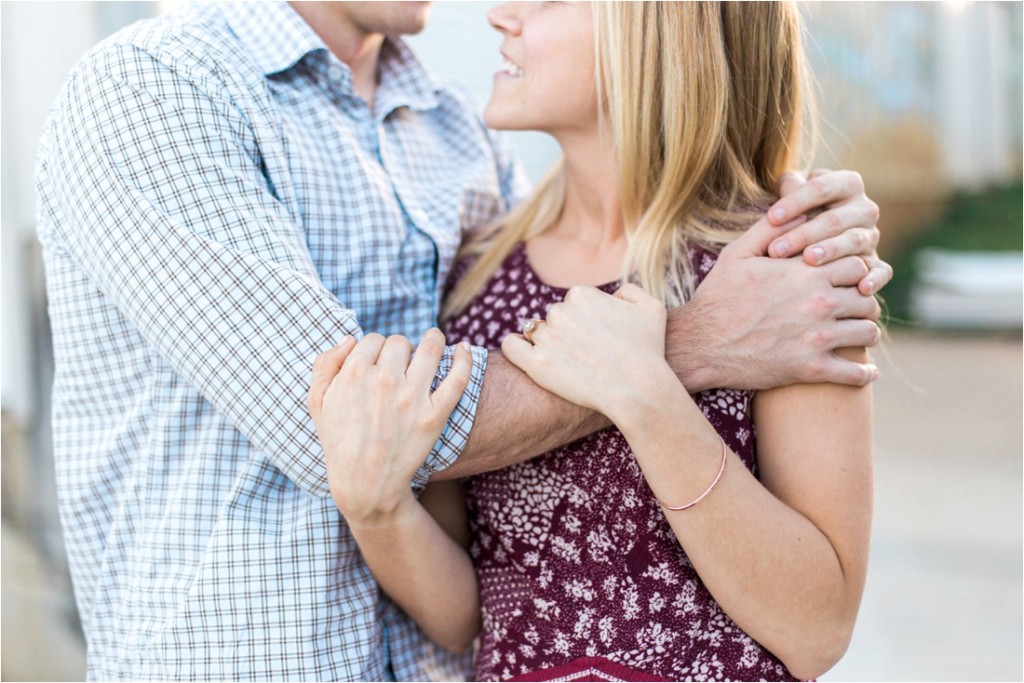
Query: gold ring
x=529 y=327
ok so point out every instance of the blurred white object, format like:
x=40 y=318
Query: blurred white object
x=968 y=290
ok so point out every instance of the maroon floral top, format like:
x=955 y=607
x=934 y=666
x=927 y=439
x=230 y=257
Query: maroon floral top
x=581 y=577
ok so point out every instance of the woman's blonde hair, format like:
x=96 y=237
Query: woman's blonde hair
x=706 y=103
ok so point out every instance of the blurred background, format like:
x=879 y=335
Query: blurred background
x=924 y=99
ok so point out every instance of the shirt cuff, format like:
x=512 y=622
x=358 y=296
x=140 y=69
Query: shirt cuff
x=456 y=432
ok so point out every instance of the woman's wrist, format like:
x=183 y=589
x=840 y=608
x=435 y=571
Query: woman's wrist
x=656 y=393
x=378 y=516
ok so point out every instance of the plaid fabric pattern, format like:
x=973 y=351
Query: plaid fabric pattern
x=217 y=206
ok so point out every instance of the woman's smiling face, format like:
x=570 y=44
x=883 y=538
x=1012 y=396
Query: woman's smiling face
x=546 y=82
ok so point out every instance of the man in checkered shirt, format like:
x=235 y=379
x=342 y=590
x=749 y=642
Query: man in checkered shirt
x=225 y=192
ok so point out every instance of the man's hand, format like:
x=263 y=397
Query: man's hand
x=842 y=222
x=758 y=323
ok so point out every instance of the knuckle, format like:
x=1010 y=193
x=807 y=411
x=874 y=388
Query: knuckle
x=824 y=305
x=384 y=381
x=404 y=403
x=874 y=212
x=856 y=182
x=815 y=370
x=354 y=371
x=858 y=239
x=818 y=339
x=860 y=266
x=427 y=422
x=875 y=314
x=399 y=340
x=819 y=187
x=433 y=338
x=823 y=339
x=876 y=331
x=833 y=221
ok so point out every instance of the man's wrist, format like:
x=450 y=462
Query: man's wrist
x=455 y=436
x=685 y=344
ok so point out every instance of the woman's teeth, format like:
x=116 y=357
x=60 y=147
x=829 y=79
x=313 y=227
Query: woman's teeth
x=511 y=69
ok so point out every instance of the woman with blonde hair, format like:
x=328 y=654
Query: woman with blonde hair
x=681 y=542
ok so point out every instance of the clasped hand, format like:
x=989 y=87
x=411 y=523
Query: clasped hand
x=600 y=351
x=377 y=418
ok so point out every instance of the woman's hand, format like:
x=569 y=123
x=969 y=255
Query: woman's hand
x=597 y=350
x=843 y=223
x=377 y=419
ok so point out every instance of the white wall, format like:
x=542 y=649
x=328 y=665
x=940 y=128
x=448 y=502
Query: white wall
x=33 y=68
x=974 y=91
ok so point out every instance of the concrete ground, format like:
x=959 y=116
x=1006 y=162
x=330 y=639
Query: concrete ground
x=943 y=599
x=944 y=595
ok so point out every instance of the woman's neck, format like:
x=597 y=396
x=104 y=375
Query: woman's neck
x=592 y=213
x=587 y=243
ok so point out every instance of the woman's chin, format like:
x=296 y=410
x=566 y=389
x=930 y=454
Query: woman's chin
x=493 y=121
x=496 y=119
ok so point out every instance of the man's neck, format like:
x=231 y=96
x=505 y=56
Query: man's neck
x=355 y=47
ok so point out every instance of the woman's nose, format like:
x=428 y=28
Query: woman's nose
x=505 y=18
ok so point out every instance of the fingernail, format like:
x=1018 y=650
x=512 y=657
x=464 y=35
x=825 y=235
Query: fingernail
x=778 y=214
x=464 y=344
x=817 y=253
x=871 y=286
x=347 y=340
x=875 y=373
x=781 y=248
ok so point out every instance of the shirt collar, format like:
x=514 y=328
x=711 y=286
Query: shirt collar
x=404 y=80
x=273 y=33
x=277 y=38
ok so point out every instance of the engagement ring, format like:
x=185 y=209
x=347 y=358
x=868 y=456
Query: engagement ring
x=529 y=327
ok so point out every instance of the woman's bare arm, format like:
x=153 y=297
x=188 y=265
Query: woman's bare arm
x=418 y=556
x=785 y=557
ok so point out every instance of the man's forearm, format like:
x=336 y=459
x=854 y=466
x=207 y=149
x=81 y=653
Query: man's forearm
x=689 y=350
x=517 y=420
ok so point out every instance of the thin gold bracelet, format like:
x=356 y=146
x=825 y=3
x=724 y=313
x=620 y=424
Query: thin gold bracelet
x=718 y=477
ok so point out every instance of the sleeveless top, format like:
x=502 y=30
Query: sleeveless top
x=580 y=575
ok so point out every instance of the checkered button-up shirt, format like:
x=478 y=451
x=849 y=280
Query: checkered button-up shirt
x=217 y=206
